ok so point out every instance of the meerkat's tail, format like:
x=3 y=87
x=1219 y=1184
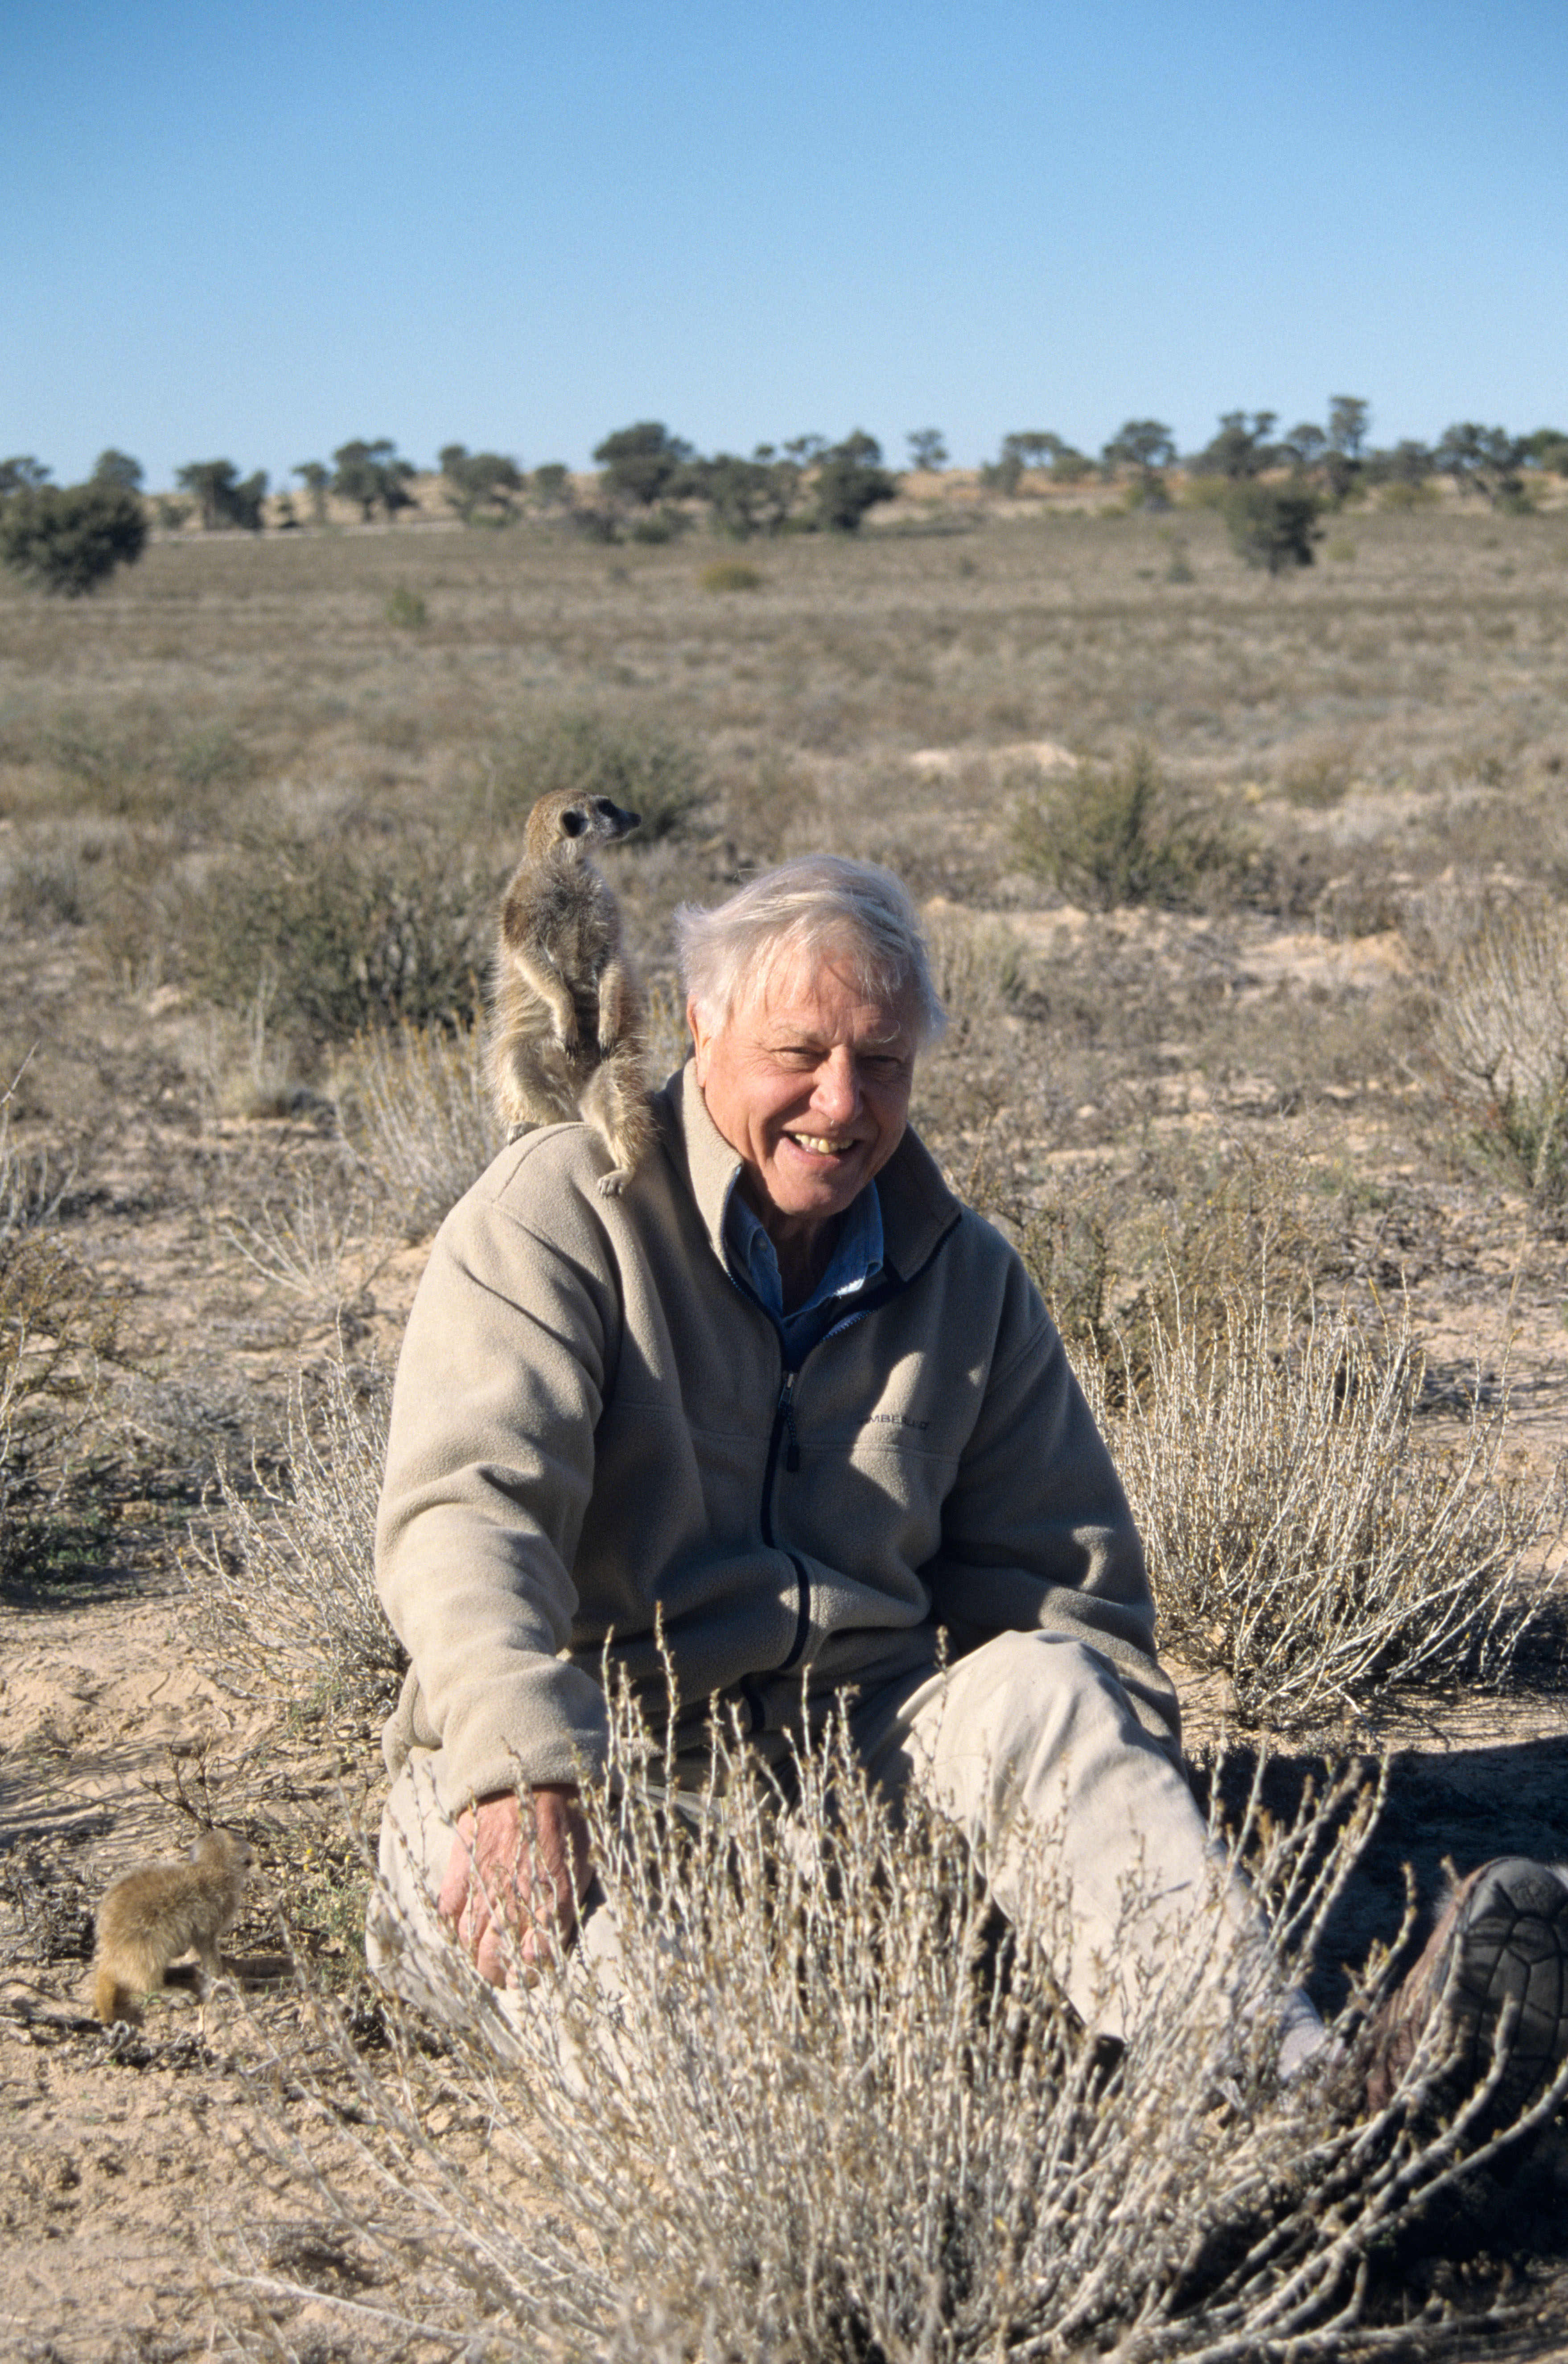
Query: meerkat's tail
x=112 y=1998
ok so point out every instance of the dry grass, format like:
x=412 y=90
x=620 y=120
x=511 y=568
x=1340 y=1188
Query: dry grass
x=832 y=2111
x=1501 y=1014
x=287 y=1586
x=416 y=1108
x=1302 y=1540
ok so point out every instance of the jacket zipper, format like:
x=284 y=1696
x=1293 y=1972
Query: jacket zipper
x=783 y=1426
x=785 y=1435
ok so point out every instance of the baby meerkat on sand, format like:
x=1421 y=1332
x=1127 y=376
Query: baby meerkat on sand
x=152 y=1916
x=566 y=1032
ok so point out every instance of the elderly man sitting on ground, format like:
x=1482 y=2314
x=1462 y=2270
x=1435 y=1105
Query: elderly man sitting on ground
x=790 y=1400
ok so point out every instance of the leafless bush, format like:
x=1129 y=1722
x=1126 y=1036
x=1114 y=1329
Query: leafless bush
x=1502 y=1033
x=828 y=2113
x=418 y=1110
x=977 y=967
x=32 y=1183
x=58 y=1323
x=1301 y=1539
x=288 y=1584
x=319 y=1244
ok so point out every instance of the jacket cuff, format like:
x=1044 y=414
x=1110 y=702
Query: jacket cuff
x=543 y=1721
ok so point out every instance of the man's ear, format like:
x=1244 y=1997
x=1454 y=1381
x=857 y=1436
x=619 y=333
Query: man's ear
x=701 y=1037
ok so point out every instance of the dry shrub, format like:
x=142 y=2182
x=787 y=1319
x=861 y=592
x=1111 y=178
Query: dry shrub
x=1117 y=1255
x=287 y=1586
x=417 y=1107
x=60 y=1322
x=667 y=1035
x=1501 y=1025
x=1125 y=834
x=831 y=2111
x=318 y=1244
x=730 y=575
x=1301 y=1539
x=584 y=751
x=344 y=933
x=977 y=967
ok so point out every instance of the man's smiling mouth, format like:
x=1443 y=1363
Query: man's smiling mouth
x=818 y=1144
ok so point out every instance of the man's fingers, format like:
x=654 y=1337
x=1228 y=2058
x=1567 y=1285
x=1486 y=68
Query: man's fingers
x=512 y=1882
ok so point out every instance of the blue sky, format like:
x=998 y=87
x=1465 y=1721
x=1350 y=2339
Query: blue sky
x=254 y=230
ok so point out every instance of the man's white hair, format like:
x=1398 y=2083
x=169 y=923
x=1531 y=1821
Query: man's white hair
x=822 y=909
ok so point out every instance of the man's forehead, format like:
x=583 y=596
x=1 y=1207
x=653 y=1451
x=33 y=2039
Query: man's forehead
x=820 y=1000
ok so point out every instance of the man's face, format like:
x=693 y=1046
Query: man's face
x=811 y=1083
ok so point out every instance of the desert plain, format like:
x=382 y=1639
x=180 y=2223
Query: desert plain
x=1224 y=1047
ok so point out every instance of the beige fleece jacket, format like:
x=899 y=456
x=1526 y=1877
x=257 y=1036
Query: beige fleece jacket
x=592 y=1421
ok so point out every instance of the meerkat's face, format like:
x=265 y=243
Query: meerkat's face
x=578 y=824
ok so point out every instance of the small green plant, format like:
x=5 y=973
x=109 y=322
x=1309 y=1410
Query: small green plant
x=1122 y=834
x=406 y=609
x=1319 y=777
x=1179 y=567
x=1409 y=497
x=1341 y=549
x=730 y=575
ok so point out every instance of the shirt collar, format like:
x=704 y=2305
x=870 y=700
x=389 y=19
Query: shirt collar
x=856 y=1261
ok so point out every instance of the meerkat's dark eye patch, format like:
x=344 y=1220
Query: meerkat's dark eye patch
x=606 y=810
x=573 y=823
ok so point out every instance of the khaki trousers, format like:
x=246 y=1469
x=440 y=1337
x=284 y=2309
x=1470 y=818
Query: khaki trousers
x=1029 y=1744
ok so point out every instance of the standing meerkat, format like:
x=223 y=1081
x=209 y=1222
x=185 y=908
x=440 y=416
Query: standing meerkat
x=566 y=1037
x=152 y=1916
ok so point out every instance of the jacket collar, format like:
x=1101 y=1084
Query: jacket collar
x=918 y=1207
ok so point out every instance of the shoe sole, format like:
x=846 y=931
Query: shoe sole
x=1510 y=1948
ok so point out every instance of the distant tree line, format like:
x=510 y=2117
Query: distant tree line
x=651 y=485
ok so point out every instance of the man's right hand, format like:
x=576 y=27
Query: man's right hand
x=514 y=1880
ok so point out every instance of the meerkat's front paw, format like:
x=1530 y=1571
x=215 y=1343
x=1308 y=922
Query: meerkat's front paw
x=611 y=1184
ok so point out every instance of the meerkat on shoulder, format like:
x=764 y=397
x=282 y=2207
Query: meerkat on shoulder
x=566 y=1031
x=151 y=1916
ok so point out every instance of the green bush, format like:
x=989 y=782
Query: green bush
x=343 y=936
x=583 y=752
x=729 y=575
x=1399 y=495
x=1123 y=835
x=69 y=539
x=1272 y=525
x=406 y=609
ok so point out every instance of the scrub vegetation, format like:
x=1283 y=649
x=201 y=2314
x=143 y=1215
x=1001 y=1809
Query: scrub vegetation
x=1248 y=896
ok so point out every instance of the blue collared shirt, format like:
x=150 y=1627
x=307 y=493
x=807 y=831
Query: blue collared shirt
x=856 y=1263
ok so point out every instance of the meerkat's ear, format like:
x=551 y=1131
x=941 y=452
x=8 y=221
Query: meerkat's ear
x=572 y=823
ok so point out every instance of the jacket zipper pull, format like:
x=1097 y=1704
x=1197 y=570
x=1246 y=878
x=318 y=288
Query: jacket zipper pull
x=786 y=1413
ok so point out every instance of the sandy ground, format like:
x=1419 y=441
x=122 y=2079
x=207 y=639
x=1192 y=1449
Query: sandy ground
x=131 y=2189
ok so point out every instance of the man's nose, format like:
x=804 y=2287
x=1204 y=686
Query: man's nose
x=837 y=1093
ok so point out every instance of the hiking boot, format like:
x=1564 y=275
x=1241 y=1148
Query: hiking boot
x=1501 y=1941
